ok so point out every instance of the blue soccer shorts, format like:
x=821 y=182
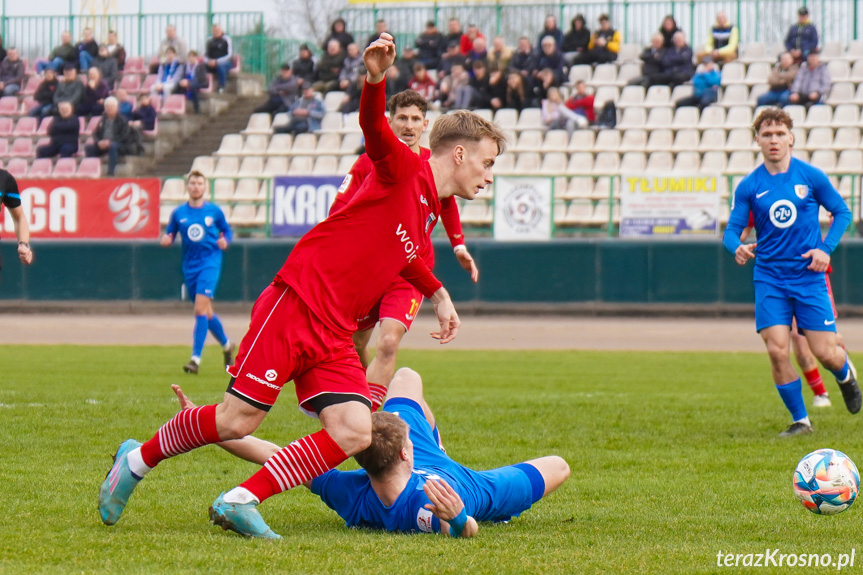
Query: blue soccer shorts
x=808 y=302
x=202 y=281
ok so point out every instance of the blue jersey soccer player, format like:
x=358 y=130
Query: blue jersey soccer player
x=205 y=234
x=784 y=195
x=408 y=484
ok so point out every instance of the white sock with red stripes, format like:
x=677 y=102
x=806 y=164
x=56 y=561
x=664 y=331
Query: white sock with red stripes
x=301 y=461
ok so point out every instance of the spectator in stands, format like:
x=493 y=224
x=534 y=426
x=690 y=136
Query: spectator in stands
x=500 y=55
x=116 y=50
x=93 y=101
x=581 y=102
x=396 y=82
x=44 y=95
x=497 y=89
x=113 y=135
x=811 y=83
x=556 y=116
x=306 y=114
x=431 y=45
x=329 y=67
x=668 y=29
x=304 y=66
x=478 y=53
x=550 y=29
x=453 y=32
x=3 y=53
x=88 y=49
x=405 y=63
x=780 y=79
x=676 y=63
x=705 y=86
x=721 y=44
x=524 y=60
x=543 y=82
x=63 y=132
x=169 y=74
x=125 y=105
x=422 y=84
x=108 y=66
x=283 y=92
x=351 y=101
x=70 y=89
x=143 y=118
x=195 y=80
x=171 y=40
x=453 y=85
x=380 y=28
x=220 y=55
x=551 y=58
x=802 y=38
x=11 y=73
x=352 y=67
x=471 y=34
x=61 y=55
x=452 y=57
x=651 y=67
x=477 y=94
x=339 y=32
x=576 y=41
x=516 y=95
x=603 y=46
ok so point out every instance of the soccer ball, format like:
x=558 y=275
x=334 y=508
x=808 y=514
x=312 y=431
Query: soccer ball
x=826 y=482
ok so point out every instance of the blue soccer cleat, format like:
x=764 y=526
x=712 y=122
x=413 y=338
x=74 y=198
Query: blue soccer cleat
x=118 y=484
x=242 y=518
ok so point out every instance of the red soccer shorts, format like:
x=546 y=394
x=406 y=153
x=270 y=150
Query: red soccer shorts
x=285 y=342
x=400 y=303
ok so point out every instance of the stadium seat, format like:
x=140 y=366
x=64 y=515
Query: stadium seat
x=854 y=51
x=22 y=148
x=328 y=143
x=243 y=215
x=824 y=159
x=818 y=116
x=820 y=138
x=628 y=72
x=628 y=54
x=280 y=144
x=27 y=126
x=734 y=95
x=840 y=71
x=849 y=161
x=753 y=52
x=504 y=164
x=333 y=100
x=251 y=167
x=165 y=212
x=830 y=51
x=6 y=126
x=529 y=119
x=685 y=118
x=578 y=213
x=173 y=190
x=687 y=140
x=797 y=113
x=281 y=119
x=857 y=71
x=657 y=96
x=275 y=166
x=232 y=145
x=631 y=96
x=604 y=75
x=528 y=141
x=45 y=124
x=91 y=125
x=755 y=92
x=739 y=163
x=65 y=168
x=756 y=73
x=175 y=104
x=301 y=166
x=602 y=189
x=733 y=73
x=740 y=139
x=661 y=139
x=845 y=115
x=506 y=118
x=713 y=162
x=680 y=92
x=579 y=187
x=657 y=162
x=148 y=82
x=130 y=82
x=634 y=162
x=633 y=141
x=554 y=163
x=248 y=190
x=847 y=138
x=659 y=118
x=738 y=117
x=326 y=166
x=31 y=86
x=8 y=106
x=332 y=122
x=581 y=140
x=607 y=141
x=204 y=164
x=580 y=163
x=223 y=190
x=226 y=167
x=555 y=141
x=91 y=168
x=605 y=94
x=712 y=117
x=634 y=118
x=840 y=93
x=686 y=162
x=304 y=144
x=258 y=124
x=601 y=213
x=527 y=163
x=580 y=72
x=40 y=168
x=347 y=162
x=476 y=213
x=255 y=145
x=4 y=147
x=134 y=65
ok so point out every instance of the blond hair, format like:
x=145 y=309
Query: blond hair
x=464 y=126
x=389 y=436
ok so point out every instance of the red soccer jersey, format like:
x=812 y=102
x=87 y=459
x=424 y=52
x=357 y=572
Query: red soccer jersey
x=343 y=266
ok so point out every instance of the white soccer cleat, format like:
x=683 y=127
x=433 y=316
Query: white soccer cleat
x=822 y=400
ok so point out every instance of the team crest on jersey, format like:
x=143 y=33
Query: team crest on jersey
x=801 y=191
x=345 y=183
x=429 y=221
x=208 y=221
x=424 y=520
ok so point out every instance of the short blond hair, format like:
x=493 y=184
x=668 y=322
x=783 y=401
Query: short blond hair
x=464 y=126
x=389 y=436
x=195 y=174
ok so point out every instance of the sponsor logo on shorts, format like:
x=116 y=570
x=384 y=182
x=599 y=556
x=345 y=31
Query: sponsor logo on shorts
x=271 y=374
x=424 y=520
x=783 y=214
x=262 y=382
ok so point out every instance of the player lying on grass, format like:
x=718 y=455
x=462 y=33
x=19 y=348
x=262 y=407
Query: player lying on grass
x=408 y=483
x=302 y=324
x=398 y=307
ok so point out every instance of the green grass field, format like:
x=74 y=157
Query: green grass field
x=674 y=457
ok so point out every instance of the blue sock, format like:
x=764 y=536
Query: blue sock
x=217 y=330
x=200 y=335
x=842 y=373
x=792 y=396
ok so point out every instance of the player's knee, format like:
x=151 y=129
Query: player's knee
x=352 y=439
x=236 y=427
x=561 y=468
x=388 y=343
x=777 y=353
x=406 y=383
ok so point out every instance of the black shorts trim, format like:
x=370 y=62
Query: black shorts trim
x=319 y=402
x=250 y=401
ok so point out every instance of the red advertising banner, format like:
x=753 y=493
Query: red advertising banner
x=112 y=208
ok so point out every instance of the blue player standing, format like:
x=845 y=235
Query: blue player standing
x=205 y=234
x=784 y=195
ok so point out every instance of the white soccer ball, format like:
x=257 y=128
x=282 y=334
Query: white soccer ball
x=826 y=482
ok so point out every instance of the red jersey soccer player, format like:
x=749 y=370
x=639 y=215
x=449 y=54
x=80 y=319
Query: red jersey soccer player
x=397 y=308
x=302 y=324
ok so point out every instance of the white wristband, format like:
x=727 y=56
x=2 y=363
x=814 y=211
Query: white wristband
x=459 y=247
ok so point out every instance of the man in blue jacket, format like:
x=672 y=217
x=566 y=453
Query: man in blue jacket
x=705 y=84
x=802 y=37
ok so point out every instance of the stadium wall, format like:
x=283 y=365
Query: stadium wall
x=554 y=275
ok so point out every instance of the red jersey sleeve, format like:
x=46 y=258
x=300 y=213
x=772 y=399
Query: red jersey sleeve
x=421 y=277
x=393 y=160
x=451 y=221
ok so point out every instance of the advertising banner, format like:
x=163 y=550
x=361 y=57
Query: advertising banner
x=660 y=205
x=105 y=209
x=522 y=208
x=301 y=202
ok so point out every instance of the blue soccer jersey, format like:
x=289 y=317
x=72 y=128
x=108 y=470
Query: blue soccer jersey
x=493 y=495
x=200 y=229
x=785 y=208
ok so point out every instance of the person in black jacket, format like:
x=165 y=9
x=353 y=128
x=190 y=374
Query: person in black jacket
x=651 y=67
x=431 y=46
x=88 y=49
x=575 y=41
x=668 y=29
x=64 y=132
x=338 y=31
x=220 y=55
x=304 y=66
x=113 y=136
x=143 y=118
x=44 y=95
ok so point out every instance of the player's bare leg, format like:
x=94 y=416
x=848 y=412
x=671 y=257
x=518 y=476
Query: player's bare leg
x=809 y=366
x=554 y=471
x=408 y=384
x=826 y=348
x=383 y=366
x=777 y=339
x=361 y=344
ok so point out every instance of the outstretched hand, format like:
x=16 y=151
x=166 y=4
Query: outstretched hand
x=185 y=402
x=448 y=320
x=378 y=57
x=466 y=261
